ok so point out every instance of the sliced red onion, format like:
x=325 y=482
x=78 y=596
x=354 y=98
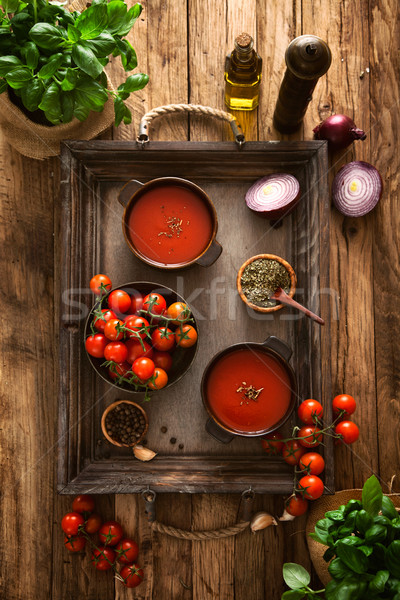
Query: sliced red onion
x=273 y=196
x=357 y=188
x=339 y=130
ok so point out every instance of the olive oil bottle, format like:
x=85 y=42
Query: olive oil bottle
x=242 y=75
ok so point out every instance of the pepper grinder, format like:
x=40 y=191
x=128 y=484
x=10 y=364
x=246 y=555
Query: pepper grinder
x=307 y=59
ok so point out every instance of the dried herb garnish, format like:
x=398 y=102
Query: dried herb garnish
x=261 y=278
x=249 y=393
x=174 y=226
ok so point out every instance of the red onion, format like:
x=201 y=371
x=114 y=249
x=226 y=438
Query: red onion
x=356 y=189
x=339 y=130
x=273 y=196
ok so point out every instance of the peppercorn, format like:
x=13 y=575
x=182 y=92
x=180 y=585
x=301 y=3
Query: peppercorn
x=125 y=424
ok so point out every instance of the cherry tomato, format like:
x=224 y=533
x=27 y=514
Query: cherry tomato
x=311 y=486
x=132 y=575
x=111 y=330
x=186 y=336
x=127 y=551
x=74 y=543
x=71 y=522
x=120 y=370
x=135 y=350
x=272 y=443
x=95 y=345
x=110 y=533
x=138 y=325
x=100 y=284
x=137 y=303
x=292 y=452
x=119 y=301
x=160 y=379
x=156 y=302
x=163 y=339
x=116 y=351
x=348 y=430
x=83 y=503
x=312 y=463
x=345 y=403
x=162 y=360
x=310 y=411
x=93 y=523
x=143 y=368
x=312 y=437
x=100 y=322
x=296 y=505
x=179 y=311
x=103 y=558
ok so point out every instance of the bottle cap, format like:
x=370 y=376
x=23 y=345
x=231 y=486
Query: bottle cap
x=244 y=41
x=308 y=57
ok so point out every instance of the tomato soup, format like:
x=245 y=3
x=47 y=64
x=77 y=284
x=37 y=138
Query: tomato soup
x=170 y=225
x=248 y=390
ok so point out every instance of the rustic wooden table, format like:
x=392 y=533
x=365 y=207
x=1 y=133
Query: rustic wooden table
x=182 y=45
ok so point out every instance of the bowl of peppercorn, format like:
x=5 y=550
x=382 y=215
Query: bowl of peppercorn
x=124 y=423
x=260 y=276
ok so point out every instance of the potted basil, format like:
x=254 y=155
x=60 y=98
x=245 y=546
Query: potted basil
x=52 y=80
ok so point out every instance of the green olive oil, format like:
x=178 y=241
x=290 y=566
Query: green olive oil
x=242 y=75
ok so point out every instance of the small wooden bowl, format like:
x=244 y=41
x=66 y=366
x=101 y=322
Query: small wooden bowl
x=266 y=309
x=103 y=423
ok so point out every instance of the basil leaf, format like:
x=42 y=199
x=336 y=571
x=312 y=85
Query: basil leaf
x=85 y=59
x=21 y=24
x=335 y=515
x=3 y=85
x=81 y=112
x=293 y=595
x=69 y=81
x=351 y=540
x=73 y=33
x=338 y=569
x=17 y=78
x=377 y=585
x=90 y=94
x=119 y=110
x=352 y=505
x=381 y=520
x=329 y=554
x=49 y=69
x=366 y=549
x=8 y=64
x=46 y=36
x=376 y=533
x=350 y=589
x=127 y=115
x=128 y=55
x=392 y=558
x=51 y=99
x=330 y=589
x=31 y=94
x=295 y=576
x=393 y=585
x=10 y=6
x=129 y=20
x=116 y=12
x=372 y=496
x=134 y=83
x=30 y=54
x=363 y=521
x=388 y=508
x=102 y=46
x=67 y=107
x=92 y=21
x=352 y=557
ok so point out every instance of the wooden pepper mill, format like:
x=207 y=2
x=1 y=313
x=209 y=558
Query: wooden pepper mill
x=307 y=59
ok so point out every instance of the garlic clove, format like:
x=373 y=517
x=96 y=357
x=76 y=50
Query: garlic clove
x=143 y=453
x=261 y=520
x=286 y=516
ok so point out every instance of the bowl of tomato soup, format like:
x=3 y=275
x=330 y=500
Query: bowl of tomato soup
x=170 y=223
x=249 y=389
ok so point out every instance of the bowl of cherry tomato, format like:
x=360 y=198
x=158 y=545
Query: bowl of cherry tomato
x=140 y=337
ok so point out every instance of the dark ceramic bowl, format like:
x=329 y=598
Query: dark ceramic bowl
x=272 y=346
x=182 y=357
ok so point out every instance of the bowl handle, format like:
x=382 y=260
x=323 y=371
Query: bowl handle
x=218 y=433
x=128 y=190
x=279 y=346
x=210 y=255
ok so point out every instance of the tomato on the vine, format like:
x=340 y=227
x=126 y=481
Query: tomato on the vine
x=296 y=505
x=310 y=411
x=74 y=543
x=100 y=284
x=95 y=345
x=163 y=339
x=143 y=368
x=127 y=551
x=119 y=301
x=135 y=350
x=312 y=436
x=116 y=352
x=110 y=533
x=120 y=370
x=162 y=360
x=132 y=575
x=311 y=487
x=348 y=430
x=93 y=523
x=155 y=303
x=160 y=379
x=103 y=558
x=136 y=303
x=179 y=311
x=292 y=452
x=138 y=327
x=83 y=503
x=272 y=443
x=345 y=403
x=312 y=463
x=100 y=322
x=112 y=330
x=186 y=336
x=71 y=522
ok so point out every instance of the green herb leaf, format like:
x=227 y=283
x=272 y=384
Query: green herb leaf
x=127 y=116
x=51 y=99
x=322 y=528
x=366 y=549
x=295 y=576
x=31 y=94
x=128 y=54
x=49 y=69
x=134 y=83
x=17 y=78
x=338 y=569
x=329 y=554
x=81 y=112
x=129 y=20
x=352 y=505
x=376 y=533
x=85 y=59
x=30 y=54
x=67 y=107
x=372 y=496
x=347 y=589
x=335 y=515
x=352 y=557
x=92 y=21
x=330 y=589
x=10 y=6
x=73 y=33
x=116 y=13
x=363 y=521
x=392 y=558
x=388 y=508
x=47 y=36
x=90 y=94
x=119 y=110
x=377 y=585
x=3 y=85
x=351 y=540
x=102 y=46
x=8 y=64
x=293 y=595
x=69 y=81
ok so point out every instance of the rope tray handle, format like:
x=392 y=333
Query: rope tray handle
x=143 y=137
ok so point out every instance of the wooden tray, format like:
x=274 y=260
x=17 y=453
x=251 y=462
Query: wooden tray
x=92 y=241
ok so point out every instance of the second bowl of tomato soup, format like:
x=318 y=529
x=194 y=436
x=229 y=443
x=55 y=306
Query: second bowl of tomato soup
x=249 y=389
x=170 y=223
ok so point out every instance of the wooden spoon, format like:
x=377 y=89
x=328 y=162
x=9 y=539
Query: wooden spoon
x=282 y=296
